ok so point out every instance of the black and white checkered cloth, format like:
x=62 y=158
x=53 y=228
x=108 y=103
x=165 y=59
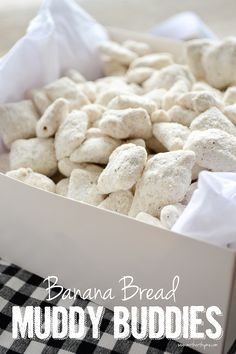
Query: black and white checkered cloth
x=19 y=287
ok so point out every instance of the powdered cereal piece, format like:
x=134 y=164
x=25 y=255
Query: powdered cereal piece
x=95 y=150
x=140 y=48
x=54 y=115
x=132 y=101
x=213 y=118
x=199 y=101
x=39 y=98
x=63 y=87
x=126 y=123
x=125 y=167
x=160 y=116
x=88 y=88
x=17 y=121
x=139 y=75
x=112 y=67
x=157 y=96
x=189 y=193
x=171 y=135
x=170 y=214
x=106 y=96
x=230 y=96
x=34 y=179
x=196 y=170
x=149 y=219
x=165 y=180
x=168 y=77
x=66 y=166
x=36 y=153
x=75 y=76
x=214 y=149
x=181 y=115
x=78 y=102
x=154 y=145
x=71 y=134
x=119 y=201
x=62 y=187
x=138 y=142
x=83 y=185
x=230 y=112
x=195 y=50
x=218 y=61
x=94 y=112
x=156 y=61
x=116 y=52
x=171 y=97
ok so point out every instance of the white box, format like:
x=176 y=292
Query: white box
x=87 y=247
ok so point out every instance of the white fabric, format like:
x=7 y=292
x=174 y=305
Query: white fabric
x=211 y=213
x=62 y=36
x=185 y=25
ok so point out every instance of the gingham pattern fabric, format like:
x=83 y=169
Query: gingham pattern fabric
x=19 y=287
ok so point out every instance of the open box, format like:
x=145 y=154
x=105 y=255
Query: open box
x=87 y=247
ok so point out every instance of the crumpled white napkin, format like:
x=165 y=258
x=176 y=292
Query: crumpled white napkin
x=61 y=36
x=184 y=25
x=211 y=212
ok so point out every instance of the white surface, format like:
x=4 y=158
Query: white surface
x=60 y=27
x=210 y=215
x=185 y=25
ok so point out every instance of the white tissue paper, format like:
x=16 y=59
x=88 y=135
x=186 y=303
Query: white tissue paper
x=61 y=37
x=211 y=213
x=64 y=36
x=185 y=25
